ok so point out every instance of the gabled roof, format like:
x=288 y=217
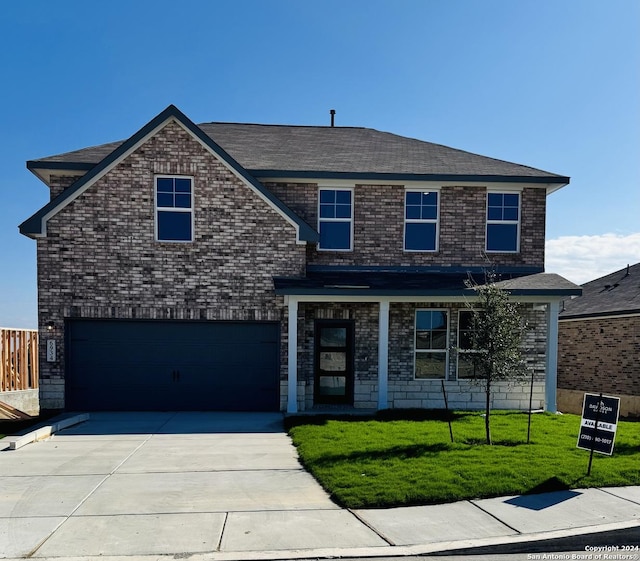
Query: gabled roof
x=111 y=154
x=281 y=151
x=614 y=294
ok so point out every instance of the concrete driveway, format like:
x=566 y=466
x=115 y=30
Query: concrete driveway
x=225 y=486
x=126 y=484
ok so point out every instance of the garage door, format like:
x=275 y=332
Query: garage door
x=118 y=365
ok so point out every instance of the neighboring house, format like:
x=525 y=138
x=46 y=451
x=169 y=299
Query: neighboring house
x=267 y=267
x=599 y=342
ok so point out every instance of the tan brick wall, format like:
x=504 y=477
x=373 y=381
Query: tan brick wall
x=379 y=227
x=59 y=183
x=600 y=355
x=100 y=258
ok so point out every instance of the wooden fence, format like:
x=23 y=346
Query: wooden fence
x=18 y=359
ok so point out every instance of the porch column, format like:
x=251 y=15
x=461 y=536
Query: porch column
x=383 y=354
x=292 y=356
x=551 y=378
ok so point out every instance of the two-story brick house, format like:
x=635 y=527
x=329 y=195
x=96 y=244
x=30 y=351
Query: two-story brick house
x=266 y=267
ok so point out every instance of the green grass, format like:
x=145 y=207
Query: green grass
x=385 y=462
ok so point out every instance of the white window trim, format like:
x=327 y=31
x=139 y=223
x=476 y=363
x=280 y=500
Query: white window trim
x=349 y=220
x=516 y=222
x=172 y=209
x=420 y=221
x=444 y=351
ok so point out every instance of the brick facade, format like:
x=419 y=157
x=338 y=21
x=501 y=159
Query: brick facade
x=100 y=258
x=600 y=354
x=379 y=222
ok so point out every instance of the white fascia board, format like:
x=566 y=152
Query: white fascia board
x=247 y=183
x=343 y=183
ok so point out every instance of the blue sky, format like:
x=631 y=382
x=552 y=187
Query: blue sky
x=554 y=84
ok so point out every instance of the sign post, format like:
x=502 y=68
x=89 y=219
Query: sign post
x=599 y=425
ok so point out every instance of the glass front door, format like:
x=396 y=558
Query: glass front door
x=334 y=362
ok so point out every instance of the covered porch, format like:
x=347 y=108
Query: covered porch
x=383 y=307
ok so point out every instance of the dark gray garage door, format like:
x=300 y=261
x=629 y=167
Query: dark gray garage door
x=118 y=365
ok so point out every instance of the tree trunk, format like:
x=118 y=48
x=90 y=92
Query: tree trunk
x=487 y=423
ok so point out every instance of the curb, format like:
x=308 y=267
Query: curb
x=46 y=431
x=486 y=546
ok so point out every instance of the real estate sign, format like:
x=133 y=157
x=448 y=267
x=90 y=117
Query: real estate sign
x=599 y=423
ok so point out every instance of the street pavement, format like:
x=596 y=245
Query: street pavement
x=229 y=486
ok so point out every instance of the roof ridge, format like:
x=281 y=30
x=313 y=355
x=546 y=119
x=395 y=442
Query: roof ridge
x=282 y=125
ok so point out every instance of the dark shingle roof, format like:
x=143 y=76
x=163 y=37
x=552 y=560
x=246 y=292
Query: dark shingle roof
x=281 y=150
x=616 y=293
x=418 y=283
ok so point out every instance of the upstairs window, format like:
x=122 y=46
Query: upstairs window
x=174 y=209
x=503 y=222
x=420 y=221
x=431 y=344
x=335 y=219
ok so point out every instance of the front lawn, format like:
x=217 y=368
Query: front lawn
x=385 y=462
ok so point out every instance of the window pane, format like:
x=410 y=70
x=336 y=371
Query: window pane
x=412 y=212
x=413 y=198
x=420 y=237
x=439 y=320
x=333 y=336
x=335 y=235
x=439 y=339
x=464 y=329
x=164 y=184
x=494 y=213
x=511 y=199
x=327 y=211
x=430 y=199
x=423 y=340
x=502 y=237
x=327 y=196
x=464 y=321
x=423 y=320
x=165 y=200
x=343 y=197
x=183 y=185
x=332 y=385
x=174 y=226
x=430 y=365
x=343 y=211
x=335 y=361
x=183 y=200
x=430 y=212
x=494 y=199
x=465 y=366
x=510 y=213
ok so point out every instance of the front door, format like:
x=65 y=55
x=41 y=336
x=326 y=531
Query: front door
x=334 y=362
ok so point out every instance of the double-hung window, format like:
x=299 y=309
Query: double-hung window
x=420 y=221
x=335 y=219
x=174 y=209
x=503 y=222
x=431 y=344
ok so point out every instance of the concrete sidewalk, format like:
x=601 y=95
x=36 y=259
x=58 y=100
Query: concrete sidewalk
x=229 y=486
